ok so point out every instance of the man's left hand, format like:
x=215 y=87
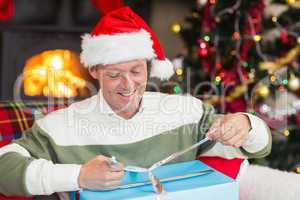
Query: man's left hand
x=231 y=130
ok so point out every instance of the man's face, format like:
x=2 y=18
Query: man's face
x=123 y=84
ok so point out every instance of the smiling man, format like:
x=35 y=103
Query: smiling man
x=69 y=149
x=122 y=85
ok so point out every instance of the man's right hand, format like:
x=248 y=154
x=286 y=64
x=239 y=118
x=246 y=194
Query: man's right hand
x=97 y=174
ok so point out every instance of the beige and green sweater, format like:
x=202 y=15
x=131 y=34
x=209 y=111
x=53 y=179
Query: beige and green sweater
x=47 y=159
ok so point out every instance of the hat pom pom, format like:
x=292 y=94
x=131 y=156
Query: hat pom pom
x=162 y=69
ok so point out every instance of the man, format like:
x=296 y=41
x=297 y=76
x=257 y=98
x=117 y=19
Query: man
x=69 y=149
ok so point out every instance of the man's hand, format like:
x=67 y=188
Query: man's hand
x=97 y=174
x=231 y=130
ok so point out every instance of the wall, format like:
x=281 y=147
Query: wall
x=163 y=14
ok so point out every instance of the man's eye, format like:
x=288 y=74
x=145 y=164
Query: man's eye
x=113 y=75
x=135 y=72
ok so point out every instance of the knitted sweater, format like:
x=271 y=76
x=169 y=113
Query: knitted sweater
x=47 y=159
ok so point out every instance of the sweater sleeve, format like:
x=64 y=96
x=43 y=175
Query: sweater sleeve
x=29 y=166
x=257 y=145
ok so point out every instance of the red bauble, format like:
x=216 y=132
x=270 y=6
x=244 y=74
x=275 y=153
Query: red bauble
x=284 y=37
x=231 y=77
x=202 y=53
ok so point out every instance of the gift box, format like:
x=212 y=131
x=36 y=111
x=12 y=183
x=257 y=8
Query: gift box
x=186 y=180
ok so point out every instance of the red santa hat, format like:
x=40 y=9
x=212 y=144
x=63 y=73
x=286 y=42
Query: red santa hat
x=120 y=36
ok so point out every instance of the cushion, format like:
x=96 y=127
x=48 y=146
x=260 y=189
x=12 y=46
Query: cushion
x=17 y=117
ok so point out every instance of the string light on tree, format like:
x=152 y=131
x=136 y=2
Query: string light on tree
x=195 y=15
x=206 y=38
x=203 y=45
x=286 y=132
x=176 y=28
x=285 y=82
x=264 y=109
x=218 y=66
x=179 y=72
x=178 y=65
x=245 y=64
x=273 y=79
x=212 y=2
x=236 y=36
x=177 y=89
x=218 y=19
x=251 y=75
x=203 y=48
x=257 y=38
x=245 y=77
x=218 y=80
x=274 y=19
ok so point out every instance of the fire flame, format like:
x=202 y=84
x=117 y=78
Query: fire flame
x=54 y=73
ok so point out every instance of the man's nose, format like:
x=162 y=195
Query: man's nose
x=127 y=82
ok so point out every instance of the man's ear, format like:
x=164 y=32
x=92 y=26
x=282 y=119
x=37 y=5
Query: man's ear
x=93 y=72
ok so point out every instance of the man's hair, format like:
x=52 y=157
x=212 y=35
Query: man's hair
x=95 y=67
x=148 y=63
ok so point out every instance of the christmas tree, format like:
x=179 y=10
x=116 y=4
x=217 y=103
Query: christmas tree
x=242 y=56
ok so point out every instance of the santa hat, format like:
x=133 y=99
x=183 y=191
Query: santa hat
x=120 y=36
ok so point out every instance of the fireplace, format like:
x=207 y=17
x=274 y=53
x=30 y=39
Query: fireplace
x=25 y=45
x=40 y=26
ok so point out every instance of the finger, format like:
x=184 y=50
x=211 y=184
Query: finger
x=228 y=135
x=214 y=134
x=235 y=140
x=114 y=166
x=114 y=176
x=224 y=128
x=115 y=183
x=231 y=131
x=242 y=140
x=118 y=167
x=214 y=131
x=217 y=123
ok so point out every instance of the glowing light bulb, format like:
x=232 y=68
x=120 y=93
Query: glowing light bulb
x=176 y=28
x=257 y=38
x=218 y=78
x=286 y=133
